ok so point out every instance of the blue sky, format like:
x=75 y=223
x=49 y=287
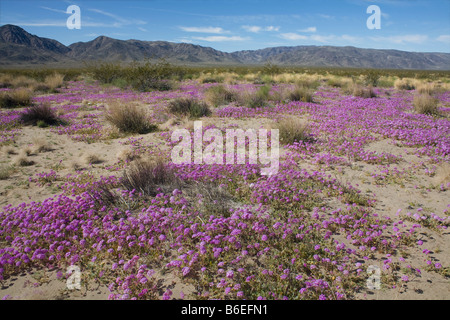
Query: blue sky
x=231 y=25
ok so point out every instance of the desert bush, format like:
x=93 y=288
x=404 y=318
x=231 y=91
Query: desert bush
x=426 y=104
x=442 y=175
x=220 y=95
x=385 y=82
x=91 y=158
x=40 y=113
x=299 y=93
x=293 y=130
x=371 y=78
x=129 y=118
x=15 y=98
x=361 y=91
x=404 y=84
x=6 y=80
x=23 y=161
x=5 y=172
x=150 y=177
x=40 y=145
x=54 y=81
x=189 y=107
x=338 y=82
x=256 y=99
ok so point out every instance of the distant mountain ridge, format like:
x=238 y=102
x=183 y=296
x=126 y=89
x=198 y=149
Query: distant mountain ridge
x=20 y=48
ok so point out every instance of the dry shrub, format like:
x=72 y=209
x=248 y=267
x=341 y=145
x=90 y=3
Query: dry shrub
x=220 y=95
x=6 y=80
x=91 y=158
x=54 y=81
x=40 y=145
x=426 y=104
x=299 y=93
x=404 y=84
x=127 y=154
x=150 y=177
x=361 y=91
x=6 y=172
x=22 y=160
x=189 y=107
x=8 y=150
x=15 y=98
x=338 y=82
x=23 y=81
x=129 y=118
x=292 y=130
x=41 y=113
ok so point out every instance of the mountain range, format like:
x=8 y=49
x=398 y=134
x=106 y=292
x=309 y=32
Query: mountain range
x=18 y=48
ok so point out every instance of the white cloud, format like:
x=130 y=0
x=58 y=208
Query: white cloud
x=321 y=38
x=310 y=29
x=293 y=36
x=54 y=10
x=215 y=30
x=219 y=38
x=411 y=38
x=119 y=20
x=256 y=29
x=444 y=38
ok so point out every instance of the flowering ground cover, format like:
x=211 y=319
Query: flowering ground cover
x=368 y=190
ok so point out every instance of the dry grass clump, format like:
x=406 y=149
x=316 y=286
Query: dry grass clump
x=23 y=82
x=255 y=99
x=6 y=172
x=360 y=91
x=220 y=95
x=15 y=98
x=299 y=93
x=22 y=160
x=8 y=150
x=127 y=154
x=40 y=145
x=129 y=118
x=91 y=158
x=150 y=177
x=6 y=80
x=189 y=107
x=41 y=115
x=54 y=81
x=339 y=82
x=404 y=84
x=442 y=174
x=426 y=104
x=292 y=130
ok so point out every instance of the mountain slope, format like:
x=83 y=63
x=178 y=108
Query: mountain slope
x=20 y=48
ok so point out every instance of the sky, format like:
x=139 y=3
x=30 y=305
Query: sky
x=233 y=25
